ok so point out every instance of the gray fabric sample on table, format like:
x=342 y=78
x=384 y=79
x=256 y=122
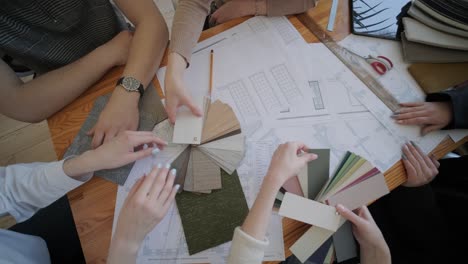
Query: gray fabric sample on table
x=151 y=112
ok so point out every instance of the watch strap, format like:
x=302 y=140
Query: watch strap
x=141 y=89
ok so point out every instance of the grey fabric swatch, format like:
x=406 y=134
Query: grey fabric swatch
x=345 y=245
x=151 y=112
x=419 y=53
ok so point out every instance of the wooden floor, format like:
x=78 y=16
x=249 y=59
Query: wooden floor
x=23 y=143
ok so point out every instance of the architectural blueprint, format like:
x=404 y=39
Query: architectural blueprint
x=282 y=89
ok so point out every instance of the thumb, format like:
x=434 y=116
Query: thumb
x=171 y=109
x=140 y=154
x=307 y=157
x=193 y=108
x=349 y=215
x=429 y=128
x=91 y=131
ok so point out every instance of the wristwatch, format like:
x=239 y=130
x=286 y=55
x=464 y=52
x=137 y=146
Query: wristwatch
x=131 y=84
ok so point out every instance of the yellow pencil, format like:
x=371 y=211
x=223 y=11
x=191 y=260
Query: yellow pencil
x=211 y=71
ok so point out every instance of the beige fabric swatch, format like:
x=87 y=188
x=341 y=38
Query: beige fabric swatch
x=418 y=32
x=220 y=120
x=206 y=174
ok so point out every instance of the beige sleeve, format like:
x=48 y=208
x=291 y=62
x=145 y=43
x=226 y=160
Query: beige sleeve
x=289 y=7
x=246 y=249
x=188 y=23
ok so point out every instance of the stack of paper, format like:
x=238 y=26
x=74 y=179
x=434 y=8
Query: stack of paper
x=356 y=182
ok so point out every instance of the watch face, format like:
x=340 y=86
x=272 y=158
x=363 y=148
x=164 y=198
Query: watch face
x=130 y=84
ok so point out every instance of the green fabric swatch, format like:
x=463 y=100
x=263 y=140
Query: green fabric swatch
x=209 y=220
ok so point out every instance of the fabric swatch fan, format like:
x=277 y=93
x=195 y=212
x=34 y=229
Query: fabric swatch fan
x=211 y=203
x=221 y=147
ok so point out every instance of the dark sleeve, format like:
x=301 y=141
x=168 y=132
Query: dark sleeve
x=459 y=99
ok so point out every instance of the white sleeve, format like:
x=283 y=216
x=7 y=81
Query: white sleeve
x=246 y=249
x=26 y=188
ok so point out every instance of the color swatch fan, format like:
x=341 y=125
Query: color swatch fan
x=212 y=204
x=221 y=147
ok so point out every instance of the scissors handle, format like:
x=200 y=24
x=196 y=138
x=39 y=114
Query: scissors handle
x=379 y=67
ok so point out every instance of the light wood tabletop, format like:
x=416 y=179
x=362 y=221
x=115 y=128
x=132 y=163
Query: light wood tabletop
x=93 y=203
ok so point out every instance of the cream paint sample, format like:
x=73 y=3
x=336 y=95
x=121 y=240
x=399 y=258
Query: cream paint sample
x=361 y=194
x=311 y=240
x=304 y=181
x=310 y=212
x=188 y=127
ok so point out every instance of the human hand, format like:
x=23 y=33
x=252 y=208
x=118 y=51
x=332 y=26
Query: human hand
x=120 y=114
x=146 y=205
x=176 y=94
x=430 y=115
x=287 y=161
x=420 y=168
x=237 y=8
x=118 y=152
x=118 y=47
x=373 y=247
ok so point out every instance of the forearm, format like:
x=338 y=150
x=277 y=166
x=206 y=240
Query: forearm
x=40 y=98
x=282 y=8
x=26 y=188
x=187 y=26
x=375 y=254
x=121 y=251
x=147 y=48
x=256 y=222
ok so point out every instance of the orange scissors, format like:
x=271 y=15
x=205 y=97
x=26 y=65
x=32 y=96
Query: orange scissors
x=380 y=64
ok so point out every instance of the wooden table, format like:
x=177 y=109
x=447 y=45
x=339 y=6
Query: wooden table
x=93 y=203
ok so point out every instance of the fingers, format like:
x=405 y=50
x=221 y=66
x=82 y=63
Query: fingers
x=137 y=155
x=171 y=198
x=307 y=157
x=91 y=131
x=410 y=169
x=405 y=110
x=349 y=215
x=146 y=185
x=193 y=108
x=428 y=162
x=171 y=109
x=97 y=139
x=410 y=115
x=138 y=138
x=364 y=213
x=135 y=187
x=414 y=121
x=412 y=104
x=435 y=161
x=109 y=135
x=428 y=129
x=159 y=182
x=166 y=191
x=411 y=158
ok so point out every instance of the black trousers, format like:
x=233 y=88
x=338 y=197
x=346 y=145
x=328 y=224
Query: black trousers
x=426 y=224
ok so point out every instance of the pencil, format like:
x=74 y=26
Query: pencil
x=211 y=71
